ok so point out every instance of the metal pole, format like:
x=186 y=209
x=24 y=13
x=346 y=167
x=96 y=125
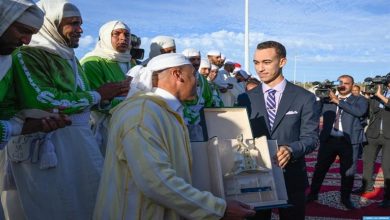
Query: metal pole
x=295 y=69
x=246 y=36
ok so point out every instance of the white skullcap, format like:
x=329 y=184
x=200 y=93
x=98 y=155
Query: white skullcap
x=158 y=43
x=142 y=77
x=168 y=60
x=32 y=17
x=11 y=11
x=214 y=67
x=191 y=52
x=213 y=53
x=164 y=41
x=70 y=10
x=121 y=25
x=204 y=63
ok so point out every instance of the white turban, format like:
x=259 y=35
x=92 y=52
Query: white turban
x=191 y=52
x=70 y=10
x=32 y=17
x=104 y=46
x=204 y=63
x=158 y=43
x=213 y=53
x=142 y=76
x=23 y=11
x=48 y=37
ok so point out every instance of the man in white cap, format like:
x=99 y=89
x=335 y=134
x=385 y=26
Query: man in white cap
x=238 y=82
x=147 y=171
x=214 y=57
x=108 y=62
x=60 y=181
x=193 y=56
x=160 y=45
x=225 y=82
x=204 y=67
x=192 y=109
x=210 y=71
x=225 y=74
x=217 y=100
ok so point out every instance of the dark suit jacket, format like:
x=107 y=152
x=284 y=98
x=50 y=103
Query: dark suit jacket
x=296 y=125
x=376 y=114
x=354 y=108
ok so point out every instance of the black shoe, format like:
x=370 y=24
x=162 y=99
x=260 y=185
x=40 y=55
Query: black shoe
x=385 y=203
x=348 y=204
x=362 y=190
x=311 y=198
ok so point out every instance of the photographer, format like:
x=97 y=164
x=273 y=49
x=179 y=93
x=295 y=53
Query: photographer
x=341 y=136
x=378 y=134
x=137 y=53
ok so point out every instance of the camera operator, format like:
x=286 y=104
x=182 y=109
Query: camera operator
x=341 y=136
x=378 y=134
x=137 y=53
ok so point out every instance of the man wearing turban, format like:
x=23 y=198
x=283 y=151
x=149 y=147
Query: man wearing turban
x=107 y=63
x=147 y=170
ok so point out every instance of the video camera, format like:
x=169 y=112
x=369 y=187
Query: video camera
x=136 y=52
x=371 y=84
x=322 y=90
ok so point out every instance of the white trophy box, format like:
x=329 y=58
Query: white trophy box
x=234 y=165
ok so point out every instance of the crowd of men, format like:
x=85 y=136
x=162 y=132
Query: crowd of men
x=109 y=137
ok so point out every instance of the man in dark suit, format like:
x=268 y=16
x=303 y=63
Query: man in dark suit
x=378 y=135
x=341 y=136
x=284 y=112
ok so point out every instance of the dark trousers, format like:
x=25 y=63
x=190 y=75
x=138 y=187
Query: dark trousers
x=370 y=152
x=295 y=212
x=327 y=154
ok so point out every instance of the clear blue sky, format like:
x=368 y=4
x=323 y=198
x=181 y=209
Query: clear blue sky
x=327 y=38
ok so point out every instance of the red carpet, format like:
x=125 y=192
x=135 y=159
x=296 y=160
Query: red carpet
x=328 y=205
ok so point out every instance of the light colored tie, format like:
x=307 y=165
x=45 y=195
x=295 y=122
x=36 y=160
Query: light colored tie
x=271 y=107
x=338 y=116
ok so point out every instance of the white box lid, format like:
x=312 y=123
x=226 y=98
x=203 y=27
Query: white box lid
x=227 y=123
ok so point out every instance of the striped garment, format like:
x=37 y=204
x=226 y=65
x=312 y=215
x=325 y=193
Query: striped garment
x=147 y=171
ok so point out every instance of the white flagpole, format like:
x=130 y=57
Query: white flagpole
x=246 y=36
x=295 y=68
